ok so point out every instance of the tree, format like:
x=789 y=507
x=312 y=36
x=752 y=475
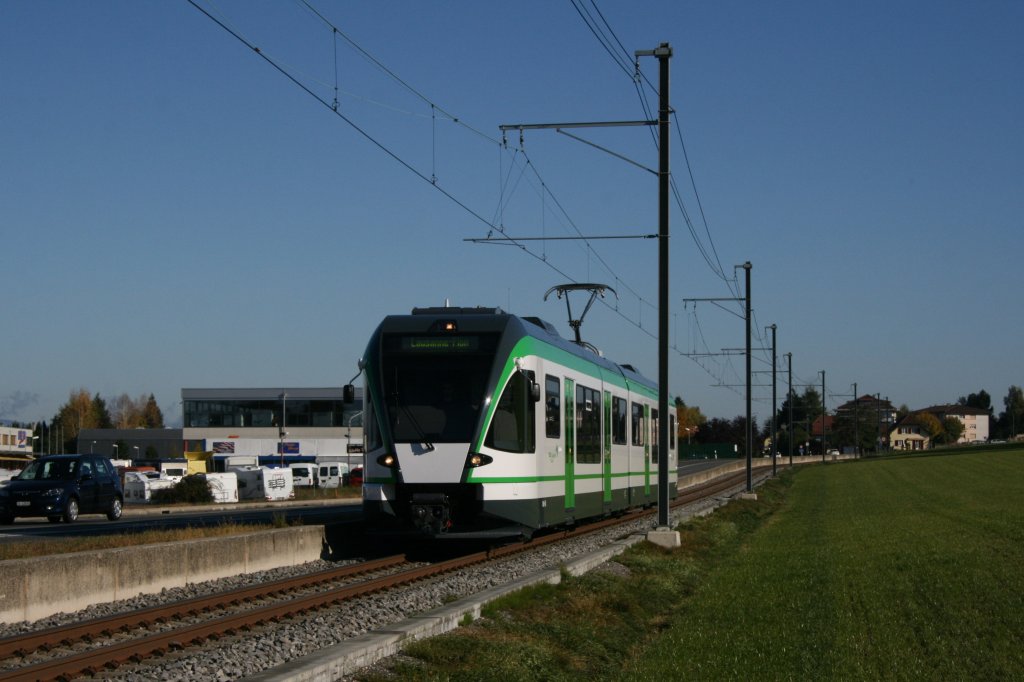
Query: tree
x=806 y=408
x=980 y=400
x=855 y=429
x=1011 y=421
x=124 y=412
x=689 y=420
x=153 y=418
x=930 y=423
x=73 y=416
x=952 y=429
x=718 y=430
x=100 y=415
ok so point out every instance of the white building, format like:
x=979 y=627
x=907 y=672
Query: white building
x=15 y=440
x=273 y=421
x=975 y=421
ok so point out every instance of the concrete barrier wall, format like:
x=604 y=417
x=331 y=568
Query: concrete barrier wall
x=730 y=466
x=31 y=589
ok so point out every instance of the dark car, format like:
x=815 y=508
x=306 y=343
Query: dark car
x=62 y=487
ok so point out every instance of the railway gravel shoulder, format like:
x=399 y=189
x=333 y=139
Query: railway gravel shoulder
x=352 y=635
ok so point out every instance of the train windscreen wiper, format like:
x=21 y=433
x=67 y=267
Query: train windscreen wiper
x=423 y=442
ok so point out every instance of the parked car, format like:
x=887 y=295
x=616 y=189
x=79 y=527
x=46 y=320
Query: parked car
x=60 y=487
x=355 y=477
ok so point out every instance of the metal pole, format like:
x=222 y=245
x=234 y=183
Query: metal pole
x=789 y=357
x=774 y=430
x=824 y=442
x=856 y=422
x=281 y=431
x=663 y=53
x=878 y=423
x=750 y=427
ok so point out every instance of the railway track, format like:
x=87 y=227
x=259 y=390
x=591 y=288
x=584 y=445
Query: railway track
x=127 y=638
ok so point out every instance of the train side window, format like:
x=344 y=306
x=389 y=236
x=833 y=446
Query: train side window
x=638 y=424
x=552 y=407
x=619 y=421
x=513 y=426
x=672 y=432
x=654 y=435
x=588 y=425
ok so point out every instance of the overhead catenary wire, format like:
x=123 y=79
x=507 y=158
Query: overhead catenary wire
x=431 y=177
x=435 y=107
x=622 y=58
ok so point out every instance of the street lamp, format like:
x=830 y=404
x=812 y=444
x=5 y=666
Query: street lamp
x=136 y=449
x=281 y=432
x=116 y=450
x=92 y=445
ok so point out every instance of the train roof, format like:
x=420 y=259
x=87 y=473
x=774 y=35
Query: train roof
x=484 y=319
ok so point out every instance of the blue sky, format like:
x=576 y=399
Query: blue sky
x=178 y=213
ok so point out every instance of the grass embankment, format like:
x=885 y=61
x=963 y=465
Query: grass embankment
x=892 y=569
x=34 y=548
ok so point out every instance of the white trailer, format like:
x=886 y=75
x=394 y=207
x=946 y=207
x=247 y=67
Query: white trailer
x=139 y=486
x=174 y=472
x=223 y=486
x=264 y=483
x=235 y=462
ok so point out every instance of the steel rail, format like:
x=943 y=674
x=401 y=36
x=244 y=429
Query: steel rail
x=21 y=645
x=95 y=661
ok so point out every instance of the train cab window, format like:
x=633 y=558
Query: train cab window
x=371 y=429
x=513 y=427
x=638 y=424
x=654 y=435
x=552 y=407
x=619 y=421
x=588 y=425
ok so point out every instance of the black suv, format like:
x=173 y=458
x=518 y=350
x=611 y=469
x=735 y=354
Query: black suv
x=62 y=487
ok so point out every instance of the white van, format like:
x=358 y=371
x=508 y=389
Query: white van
x=304 y=475
x=331 y=473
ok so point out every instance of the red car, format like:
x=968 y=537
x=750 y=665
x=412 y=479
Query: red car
x=355 y=477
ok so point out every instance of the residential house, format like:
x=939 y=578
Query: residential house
x=974 y=419
x=910 y=433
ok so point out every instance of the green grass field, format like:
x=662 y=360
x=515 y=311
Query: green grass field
x=894 y=569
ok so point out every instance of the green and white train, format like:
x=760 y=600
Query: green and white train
x=478 y=423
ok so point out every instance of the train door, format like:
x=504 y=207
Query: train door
x=570 y=443
x=607 y=451
x=647 y=450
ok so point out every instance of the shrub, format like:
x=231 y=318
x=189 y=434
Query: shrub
x=189 y=490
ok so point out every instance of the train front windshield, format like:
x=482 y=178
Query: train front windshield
x=434 y=386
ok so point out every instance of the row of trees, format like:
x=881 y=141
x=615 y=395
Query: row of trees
x=860 y=428
x=85 y=410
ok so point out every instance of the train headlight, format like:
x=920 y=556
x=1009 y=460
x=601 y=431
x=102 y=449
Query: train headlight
x=475 y=459
x=388 y=460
